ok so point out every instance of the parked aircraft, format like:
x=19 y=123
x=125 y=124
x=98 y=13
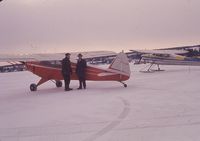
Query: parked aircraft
x=119 y=69
x=166 y=57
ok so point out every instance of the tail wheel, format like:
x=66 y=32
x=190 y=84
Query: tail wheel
x=58 y=84
x=124 y=84
x=33 y=87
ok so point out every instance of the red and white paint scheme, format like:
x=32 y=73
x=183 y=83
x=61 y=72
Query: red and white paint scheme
x=119 y=71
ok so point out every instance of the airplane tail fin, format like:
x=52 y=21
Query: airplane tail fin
x=121 y=64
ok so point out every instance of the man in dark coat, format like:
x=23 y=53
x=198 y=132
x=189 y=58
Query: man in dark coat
x=66 y=71
x=80 y=71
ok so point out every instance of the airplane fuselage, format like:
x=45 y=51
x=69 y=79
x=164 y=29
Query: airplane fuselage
x=167 y=59
x=52 y=70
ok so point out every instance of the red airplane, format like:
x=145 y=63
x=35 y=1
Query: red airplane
x=119 y=71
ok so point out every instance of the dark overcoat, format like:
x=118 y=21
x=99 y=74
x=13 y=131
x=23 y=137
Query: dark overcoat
x=66 y=66
x=80 y=68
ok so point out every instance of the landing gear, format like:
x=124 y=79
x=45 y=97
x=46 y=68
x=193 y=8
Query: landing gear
x=150 y=68
x=33 y=87
x=58 y=83
x=124 y=84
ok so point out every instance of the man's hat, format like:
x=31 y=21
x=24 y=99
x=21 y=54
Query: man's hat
x=67 y=54
x=80 y=54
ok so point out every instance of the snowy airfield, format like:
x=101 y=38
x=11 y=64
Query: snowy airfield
x=161 y=106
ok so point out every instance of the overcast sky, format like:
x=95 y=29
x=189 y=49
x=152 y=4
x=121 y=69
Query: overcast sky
x=30 y=26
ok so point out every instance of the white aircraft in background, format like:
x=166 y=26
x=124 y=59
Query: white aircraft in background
x=166 y=57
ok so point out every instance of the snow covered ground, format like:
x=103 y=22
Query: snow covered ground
x=161 y=106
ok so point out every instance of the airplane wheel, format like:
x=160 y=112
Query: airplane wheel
x=58 y=84
x=125 y=85
x=33 y=87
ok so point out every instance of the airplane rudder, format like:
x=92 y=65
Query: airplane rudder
x=121 y=63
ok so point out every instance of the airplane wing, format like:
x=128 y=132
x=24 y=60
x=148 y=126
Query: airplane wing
x=171 y=50
x=156 y=51
x=54 y=56
x=182 y=47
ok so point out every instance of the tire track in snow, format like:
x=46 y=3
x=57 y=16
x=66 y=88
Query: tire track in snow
x=113 y=124
x=16 y=133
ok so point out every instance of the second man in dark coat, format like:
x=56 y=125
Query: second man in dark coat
x=80 y=71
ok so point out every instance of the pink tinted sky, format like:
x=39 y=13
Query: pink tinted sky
x=32 y=26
